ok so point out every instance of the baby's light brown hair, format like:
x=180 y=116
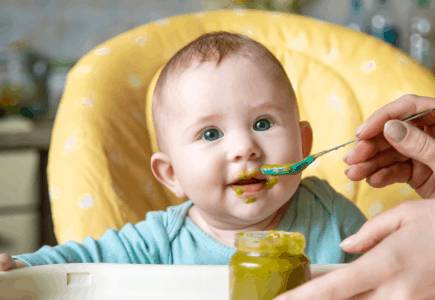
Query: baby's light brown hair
x=211 y=47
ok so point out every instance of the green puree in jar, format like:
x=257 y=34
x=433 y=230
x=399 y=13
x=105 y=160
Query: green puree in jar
x=267 y=263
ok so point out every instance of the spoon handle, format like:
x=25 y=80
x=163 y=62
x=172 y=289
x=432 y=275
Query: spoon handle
x=411 y=118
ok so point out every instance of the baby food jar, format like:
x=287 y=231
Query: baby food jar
x=267 y=263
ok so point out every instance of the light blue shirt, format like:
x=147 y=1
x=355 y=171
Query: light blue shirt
x=324 y=216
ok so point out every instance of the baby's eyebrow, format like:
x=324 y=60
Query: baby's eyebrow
x=204 y=119
x=269 y=105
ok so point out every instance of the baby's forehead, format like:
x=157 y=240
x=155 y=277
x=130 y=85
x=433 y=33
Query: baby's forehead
x=177 y=78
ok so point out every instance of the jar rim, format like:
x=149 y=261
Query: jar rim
x=269 y=241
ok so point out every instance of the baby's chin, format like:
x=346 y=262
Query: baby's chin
x=239 y=212
x=255 y=211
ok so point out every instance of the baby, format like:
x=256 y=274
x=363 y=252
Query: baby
x=223 y=106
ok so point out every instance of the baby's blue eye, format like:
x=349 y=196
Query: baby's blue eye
x=212 y=135
x=262 y=125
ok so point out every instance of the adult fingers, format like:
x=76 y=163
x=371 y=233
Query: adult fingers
x=336 y=285
x=398 y=172
x=366 y=149
x=393 y=168
x=371 y=166
x=411 y=142
x=403 y=108
x=356 y=280
x=382 y=225
x=363 y=150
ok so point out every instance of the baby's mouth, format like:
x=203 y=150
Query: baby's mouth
x=249 y=181
x=248 y=187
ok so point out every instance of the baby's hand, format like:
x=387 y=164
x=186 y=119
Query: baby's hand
x=7 y=263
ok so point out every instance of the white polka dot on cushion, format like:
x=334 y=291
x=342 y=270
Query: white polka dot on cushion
x=140 y=39
x=137 y=115
x=149 y=187
x=314 y=164
x=134 y=81
x=375 y=208
x=102 y=51
x=348 y=187
x=276 y=15
x=239 y=11
x=72 y=143
x=87 y=102
x=83 y=70
x=163 y=22
x=329 y=55
x=299 y=42
x=85 y=201
x=402 y=60
x=369 y=92
x=55 y=193
x=249 y=31
x=369 y=66
x=405 y=190
x=118 y=193
x=200 y=15
x=115 y=158
x=335 y=101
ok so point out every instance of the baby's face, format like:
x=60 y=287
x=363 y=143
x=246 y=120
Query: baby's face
x=229 y=121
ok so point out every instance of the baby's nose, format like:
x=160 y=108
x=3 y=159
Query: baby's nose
x=244 y=148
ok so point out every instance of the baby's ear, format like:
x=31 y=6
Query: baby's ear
x=164 y=172
x=306 y=138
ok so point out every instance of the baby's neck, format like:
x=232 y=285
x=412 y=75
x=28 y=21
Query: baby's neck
x=226 y=236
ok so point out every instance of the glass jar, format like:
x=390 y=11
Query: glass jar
x=267 y=263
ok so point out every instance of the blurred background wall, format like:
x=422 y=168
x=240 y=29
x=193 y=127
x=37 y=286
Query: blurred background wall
x=40 y=40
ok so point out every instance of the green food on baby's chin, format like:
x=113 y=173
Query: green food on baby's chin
x=239 y=190
x=250 y=200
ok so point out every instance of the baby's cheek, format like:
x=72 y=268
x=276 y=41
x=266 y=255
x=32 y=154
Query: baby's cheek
x=285 y=186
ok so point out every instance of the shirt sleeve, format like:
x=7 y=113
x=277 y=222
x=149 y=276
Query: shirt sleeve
x=350 y=219
x=146 y=242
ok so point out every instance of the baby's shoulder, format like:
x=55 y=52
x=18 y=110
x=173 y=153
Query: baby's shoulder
x=324 y=193
x=170 y=220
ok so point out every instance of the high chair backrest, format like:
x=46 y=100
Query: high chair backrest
x=99 y=161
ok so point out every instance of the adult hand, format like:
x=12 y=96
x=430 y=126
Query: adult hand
x=399 y=266
x=411 y=158
x=400 y=263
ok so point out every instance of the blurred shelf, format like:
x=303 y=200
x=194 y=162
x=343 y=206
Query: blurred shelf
x=37 y=137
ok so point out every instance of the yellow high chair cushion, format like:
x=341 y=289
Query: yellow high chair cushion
x=99 y=163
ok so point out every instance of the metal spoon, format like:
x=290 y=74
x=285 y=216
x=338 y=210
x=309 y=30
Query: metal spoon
x=293 y=169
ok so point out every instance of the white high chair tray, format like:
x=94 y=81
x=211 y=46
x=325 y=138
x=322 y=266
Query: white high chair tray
x=121 y=281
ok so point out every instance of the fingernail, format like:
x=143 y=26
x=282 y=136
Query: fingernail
x=360 y=128
x=347 y=241
x=348 y=169
x=395 y=130
x=349 y=154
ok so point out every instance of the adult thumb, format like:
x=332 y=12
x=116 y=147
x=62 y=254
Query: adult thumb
x=411 y=141
x=376 y=229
